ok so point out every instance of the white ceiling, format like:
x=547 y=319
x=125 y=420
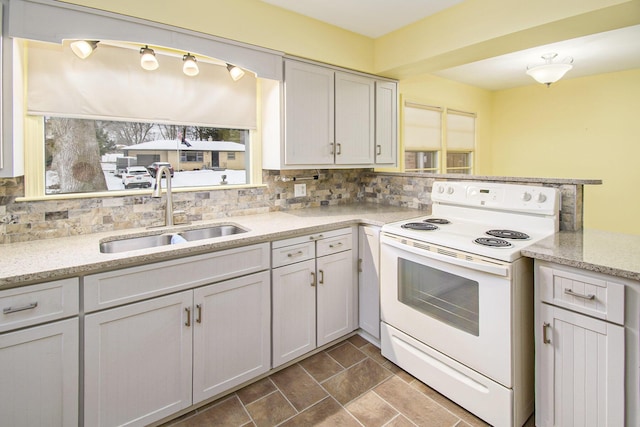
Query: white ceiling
x=595 y=54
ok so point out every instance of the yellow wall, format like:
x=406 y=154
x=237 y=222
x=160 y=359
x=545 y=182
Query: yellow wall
x=577 y=128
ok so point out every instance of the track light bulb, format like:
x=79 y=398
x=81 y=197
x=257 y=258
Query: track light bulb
x=83 y=48
x=190 y=65
x=148 y=59
x=235 y=72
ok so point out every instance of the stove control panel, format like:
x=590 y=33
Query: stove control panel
x=493 y=195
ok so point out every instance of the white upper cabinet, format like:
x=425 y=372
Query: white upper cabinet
x=309 y=118
x=354 y=129
x=330 y=118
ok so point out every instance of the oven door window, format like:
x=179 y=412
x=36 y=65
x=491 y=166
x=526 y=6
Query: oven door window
x=452 y=299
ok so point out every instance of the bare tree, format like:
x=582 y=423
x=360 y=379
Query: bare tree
x=169 y=132
x=130 y=133
x=76 y=155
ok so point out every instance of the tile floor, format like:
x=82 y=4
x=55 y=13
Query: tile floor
x=349 y=384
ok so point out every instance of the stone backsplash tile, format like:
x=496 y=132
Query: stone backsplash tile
x=25 y=221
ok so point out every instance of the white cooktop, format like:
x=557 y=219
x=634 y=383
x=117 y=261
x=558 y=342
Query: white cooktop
x=475 y=208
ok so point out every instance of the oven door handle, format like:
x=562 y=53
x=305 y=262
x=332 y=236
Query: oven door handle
x=474 y=263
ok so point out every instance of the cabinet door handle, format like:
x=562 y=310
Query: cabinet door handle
x=359 y=265
x=378 y=149
x=292 y=254
x=313 y=278
x=545 y=339
x=332 y=145
x=336 y=245
x=199 y=313
x=188 y=322
x=30 y=306
x=569 y=291
x=339 y=146
x=321 y=281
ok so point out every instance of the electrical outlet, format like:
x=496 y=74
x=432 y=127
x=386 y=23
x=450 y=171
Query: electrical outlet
x=299 y=190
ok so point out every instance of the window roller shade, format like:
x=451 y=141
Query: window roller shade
x=460 y=131
x=422 y=128
x=111 y=85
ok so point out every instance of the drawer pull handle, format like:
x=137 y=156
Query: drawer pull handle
x=9 y=310
x=292 y=254
x=313 y=278
x=569 y=291
x=188 y=322
x=319 y=236
x=337 y=245
x=199 y=313
x=545 y=339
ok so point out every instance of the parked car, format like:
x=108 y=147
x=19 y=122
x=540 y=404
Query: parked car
x=136 y=176
x=153 y=167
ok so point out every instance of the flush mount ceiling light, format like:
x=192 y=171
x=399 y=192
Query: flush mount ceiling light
x=550 y=72
x=148 y=59
x=235 y=72
x=83 y=48
x=190 y=65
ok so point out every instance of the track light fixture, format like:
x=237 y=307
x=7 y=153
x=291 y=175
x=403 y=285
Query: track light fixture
x=83 y=48
x=148 y=59
x=235 y=72
x=190 y=65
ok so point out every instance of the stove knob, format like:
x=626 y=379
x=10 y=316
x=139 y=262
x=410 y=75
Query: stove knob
x=541 y=198
x=526 y=196
x=440 y=189
x=450 y=190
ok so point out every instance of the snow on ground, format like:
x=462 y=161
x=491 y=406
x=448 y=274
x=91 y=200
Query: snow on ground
x=199 y=178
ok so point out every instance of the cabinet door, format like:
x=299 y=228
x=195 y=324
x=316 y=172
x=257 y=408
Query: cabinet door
x=355 y=127
x=581 y=370
x=336 y=281
x=309 y=114
x=369 y=280
x=386 y=123
x=138 y=361
x=232 y=334
x=39 y=385
x=294 y=314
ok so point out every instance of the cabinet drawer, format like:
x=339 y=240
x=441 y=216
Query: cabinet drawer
x=30 y=305
x=294 y=253
x=335 y=244
x=114 y=288
x=582 y=293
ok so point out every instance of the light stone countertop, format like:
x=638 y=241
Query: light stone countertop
x=615 y=254
x=51 y=259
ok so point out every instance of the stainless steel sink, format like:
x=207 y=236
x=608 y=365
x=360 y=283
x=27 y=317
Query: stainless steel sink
x=211 y=232
x=144 y=242
x=133 y=243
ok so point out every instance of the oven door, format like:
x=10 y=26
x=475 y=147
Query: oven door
x=454 y=302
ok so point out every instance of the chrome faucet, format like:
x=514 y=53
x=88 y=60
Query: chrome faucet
x=157 y=193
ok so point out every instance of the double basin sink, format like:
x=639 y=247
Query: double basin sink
x=144 y=242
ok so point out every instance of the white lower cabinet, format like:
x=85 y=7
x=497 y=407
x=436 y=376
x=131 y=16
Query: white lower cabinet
x=581 y=371
x=147 y=360
x=314 y=293
x=580 y=350
x=39 y=335
x=369 y=280
x=39 y=384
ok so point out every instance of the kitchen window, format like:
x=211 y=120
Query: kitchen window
x=88 y=113
x=438 y=140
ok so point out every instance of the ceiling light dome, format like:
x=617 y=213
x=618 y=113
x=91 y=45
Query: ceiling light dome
x=190 y=65
x=550 y=72
x=148 y=59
